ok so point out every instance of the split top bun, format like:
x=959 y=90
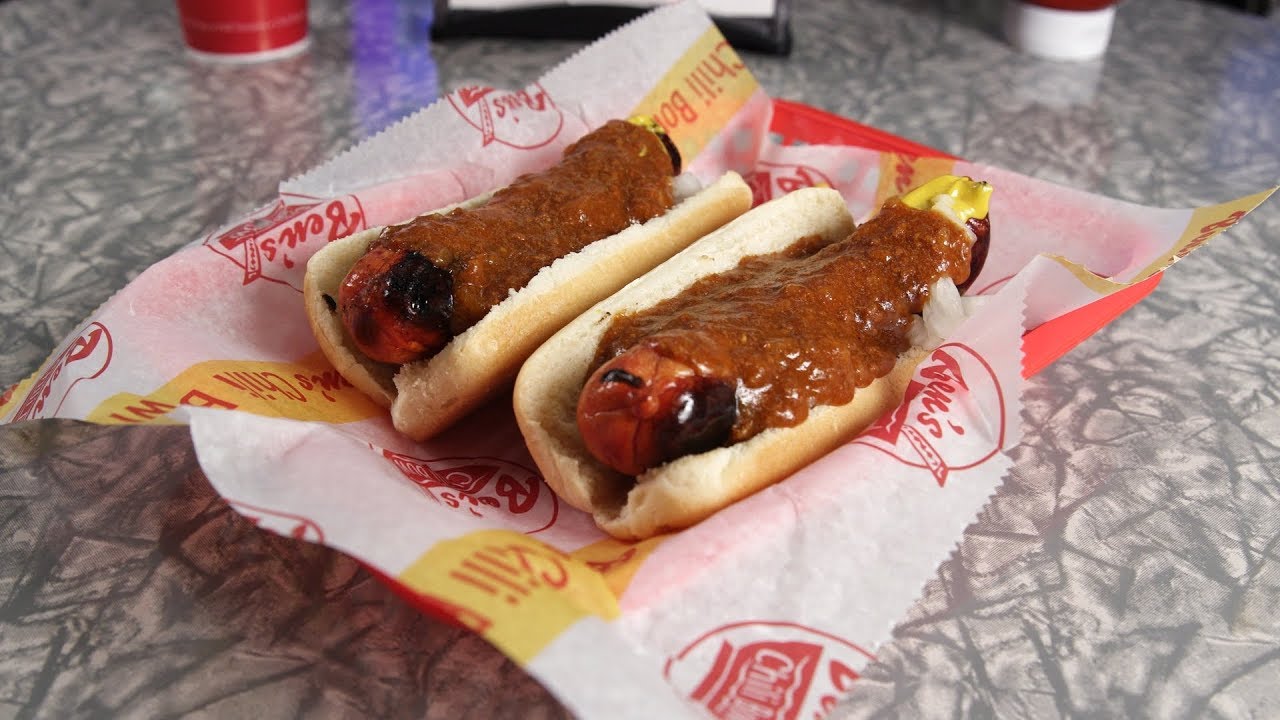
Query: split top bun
x=688 y=489
x=427 y=396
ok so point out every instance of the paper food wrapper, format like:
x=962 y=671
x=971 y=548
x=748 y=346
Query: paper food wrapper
x=769 y=608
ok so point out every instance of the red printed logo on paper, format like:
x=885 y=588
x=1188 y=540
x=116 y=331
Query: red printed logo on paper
x=766 y=671
x=904 y=172
x=84 y=359
x=275 y=242
x=771 y=180
x=1208 y=231
x=938 y=425
x=483 y=487
x=522 y=119
x=280 y=522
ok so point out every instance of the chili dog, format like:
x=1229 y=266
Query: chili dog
x=433 y=316
x=746 y=356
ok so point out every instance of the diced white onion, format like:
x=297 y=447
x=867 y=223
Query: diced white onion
x=945 y=204
x=685 y=185
x=944 y=313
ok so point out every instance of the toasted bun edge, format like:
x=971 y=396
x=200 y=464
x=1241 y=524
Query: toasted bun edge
x=324 y=275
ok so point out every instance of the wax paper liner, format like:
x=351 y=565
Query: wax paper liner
x=769 y=608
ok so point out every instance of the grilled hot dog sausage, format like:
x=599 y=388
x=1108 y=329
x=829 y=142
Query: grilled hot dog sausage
x=427 y=280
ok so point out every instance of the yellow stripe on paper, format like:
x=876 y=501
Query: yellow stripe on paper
x=707 y=86
x=12 y=397
x=519 y=592
x=1205 y=223
x=1088 y=278
x=617 y=561
x=900 y=172
x=309 y=389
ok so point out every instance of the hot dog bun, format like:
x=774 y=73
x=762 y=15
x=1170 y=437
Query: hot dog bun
x=686 y=490
x=427 y=396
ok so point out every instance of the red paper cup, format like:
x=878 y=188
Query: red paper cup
x=244 y=30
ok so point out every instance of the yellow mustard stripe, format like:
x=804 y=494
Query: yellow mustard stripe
x=969 y=198
x=699 y=94
x=1205 y=223
x=309 y=389
x=520 y=592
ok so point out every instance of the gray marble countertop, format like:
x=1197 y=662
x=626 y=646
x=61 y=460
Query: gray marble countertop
x=1128 y=567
